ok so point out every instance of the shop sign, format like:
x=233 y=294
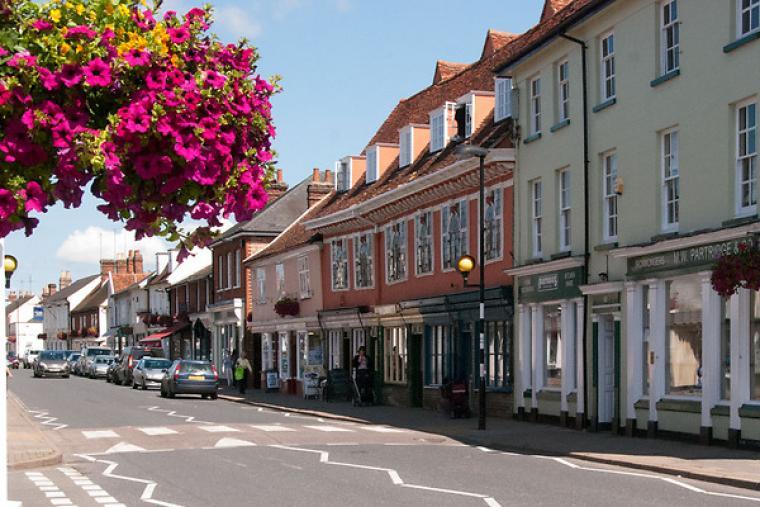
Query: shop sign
x=686 y=259
x=548 y=286
x=38 y=314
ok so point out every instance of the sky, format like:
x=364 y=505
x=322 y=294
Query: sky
x=344 y=65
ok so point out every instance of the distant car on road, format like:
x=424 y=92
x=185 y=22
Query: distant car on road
x=29 y=356
x=190 y=377
x=51 y=362
x=12 y=360
x=149 y=372
x=88 y=354
x=127 y=361
x=99 y=366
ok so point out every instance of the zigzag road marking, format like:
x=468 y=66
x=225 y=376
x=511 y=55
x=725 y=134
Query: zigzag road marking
x=173 y=413
x=47 y=420
x=150 y=486
x=324 y=457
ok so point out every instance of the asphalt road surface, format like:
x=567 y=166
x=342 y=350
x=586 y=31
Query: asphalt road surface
x=129 y=448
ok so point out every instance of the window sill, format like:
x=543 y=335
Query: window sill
x=642 y=404
x=604 y=105
x=549 y=394
x=741 y=220
x=605 y=247
x=530 y=139
x=560 y=125
x=665 y=77
x=680 y=405
x=721 y=410
x=750 y=411
x=740 y=42
x=561 y=255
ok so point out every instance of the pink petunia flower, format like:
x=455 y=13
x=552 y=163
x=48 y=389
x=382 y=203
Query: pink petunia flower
x=97 y=73
x=178 y=35
x=41 y=25
x=8 y=203
x=137 y=57
x=47 y=78
x=36 y=198
x=70 y=74
x=214 y=79
x=81 y=31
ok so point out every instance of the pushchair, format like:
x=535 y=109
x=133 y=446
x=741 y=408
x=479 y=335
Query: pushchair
x=456 y=393
x=362 y=388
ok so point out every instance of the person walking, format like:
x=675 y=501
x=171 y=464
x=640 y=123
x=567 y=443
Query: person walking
x=228 y=366
x=234 y=359
x=242 y=369
x=362 y=364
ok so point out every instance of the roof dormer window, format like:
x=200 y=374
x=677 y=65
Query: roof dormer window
x=343 y=175
x=440 y=125
x=372 y=163
x=503 y=107
x=405 y=153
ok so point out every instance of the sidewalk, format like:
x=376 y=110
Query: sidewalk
x=28 y=447
x=721 y=465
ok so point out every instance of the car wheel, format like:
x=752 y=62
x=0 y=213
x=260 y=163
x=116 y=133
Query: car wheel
x=65 y=376
x=171 y=394
x=134 y=385
x=144 y=387
x=163 y=393
x=204 y=396
x=36 y=375
x=214 y=396
x=108 y=379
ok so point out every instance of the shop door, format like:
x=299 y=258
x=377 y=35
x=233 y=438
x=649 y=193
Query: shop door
x=346 y=352
x=415 y=366
x=606 y=368
x=257 y=358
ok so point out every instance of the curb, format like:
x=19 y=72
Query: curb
x=726 y=481
x=53 y=457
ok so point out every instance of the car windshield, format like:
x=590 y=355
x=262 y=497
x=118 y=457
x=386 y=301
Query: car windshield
x=157 y=364
x=98 y=352
x=53 y=355
x=193 y=367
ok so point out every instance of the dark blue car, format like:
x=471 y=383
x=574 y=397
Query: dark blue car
x=190 y=377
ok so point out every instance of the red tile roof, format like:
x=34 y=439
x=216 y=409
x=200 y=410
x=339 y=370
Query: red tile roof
x=123 y=280
x=445 y=70
x=495 y=41
x=552 y=7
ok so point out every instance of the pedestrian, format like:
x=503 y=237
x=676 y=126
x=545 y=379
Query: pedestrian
x=362 y=364
x=242 y=369
x=227 y=366
x=234 y=359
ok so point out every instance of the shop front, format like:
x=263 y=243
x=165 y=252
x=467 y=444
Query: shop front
x=227 y=329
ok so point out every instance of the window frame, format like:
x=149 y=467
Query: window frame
x=371 y=258
x=609 y=195
x=405 y=146
x=534 y=88
x=393 y=371
x=304 y=277
x=345 y=261
x=751 y=157
x=607 y=93
x=563 y=90
x=417 y=243
x=261 y=285
x=564 y=209
x=503 y=100
x=667 y=161
x=536 y=215
x=740 y=11
x=279 y=278
x=465 y=230
x=667 y=25
x=373 y=169
x=404 y=232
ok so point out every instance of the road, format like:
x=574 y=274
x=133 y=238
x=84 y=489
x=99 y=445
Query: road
x=125 y=447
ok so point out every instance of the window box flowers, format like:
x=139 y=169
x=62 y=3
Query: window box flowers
x=739 y=270
x=286 y=306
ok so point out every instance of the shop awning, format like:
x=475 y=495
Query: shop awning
x=156 y=337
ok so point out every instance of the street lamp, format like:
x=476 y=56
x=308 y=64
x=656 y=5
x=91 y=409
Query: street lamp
x=465 y=264
x=9 y=265
x=467 y=150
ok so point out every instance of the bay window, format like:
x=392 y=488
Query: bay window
x=339 y=263
x=493 y=224
x=454 y=232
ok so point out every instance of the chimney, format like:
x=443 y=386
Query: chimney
x=106 y=266
x=329 y=177
x=65 y=279
x=12 y=296
x=130 y=261
x=121 y=264
x=51 y=290
x=137 y=263
x=318 y=187
x=277 y=187
x=279 y=175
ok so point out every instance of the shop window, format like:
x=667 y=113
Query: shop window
x=423 y=239
x=492 y=224
x=395 y=252
x=336 y=349
x=754 y=352
x=314 y=350
x=684 y=332
x=267 y=355
x=284 y=355
x=454 y=232
x=303 y=358
x=436 y=355
x=497 y=355
x=646 y=364
x=553 y=347
x=363 y=261
x=725 y=350
x=394 y=342
x=358 y=339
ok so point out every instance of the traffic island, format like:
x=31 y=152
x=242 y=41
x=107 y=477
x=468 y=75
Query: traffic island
x=28 y=446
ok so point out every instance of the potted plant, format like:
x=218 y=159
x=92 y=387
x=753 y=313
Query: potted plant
x=286 y=306
x=737 y=270
x=92 y=331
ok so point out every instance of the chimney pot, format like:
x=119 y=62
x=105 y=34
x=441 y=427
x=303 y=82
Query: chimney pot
x=51 y=289
x=315 y=175
x=328 y=176
x=279 y=175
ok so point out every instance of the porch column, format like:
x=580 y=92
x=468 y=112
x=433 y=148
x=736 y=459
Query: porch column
x=580 y=381
x=537 y=338
x=658 y=312
x=568 y=328
x=711 y=355
x=524 y=361
x=634 y=340
x=740 y=394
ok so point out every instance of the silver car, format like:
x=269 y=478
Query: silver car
x=149 y=371
x=51 y=362
x=99 y=366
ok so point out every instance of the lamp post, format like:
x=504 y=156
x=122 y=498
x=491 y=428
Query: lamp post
x=477 y=151
x=9 y=266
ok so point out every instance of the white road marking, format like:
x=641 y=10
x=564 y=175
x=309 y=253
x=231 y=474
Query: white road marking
x=329 y=429
x=124 y=447
x=172 y=413
x=97 y=493
x=271 y=428
x=233 y=442
x=157 y=430
x=382 y=429
x=100 y=434
x=51 y=491
x=219 y=429
x=47 y=420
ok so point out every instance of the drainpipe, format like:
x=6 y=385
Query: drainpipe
x=586 y=240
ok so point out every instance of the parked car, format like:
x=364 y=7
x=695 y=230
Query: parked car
x=73 y=360
x=51 y=362
x=149 y=371
x=12 y=360
x=99 y=366
x=190 y=377
x=111 y=370
x=127 y=361
x=88 y=354
x=29 y=356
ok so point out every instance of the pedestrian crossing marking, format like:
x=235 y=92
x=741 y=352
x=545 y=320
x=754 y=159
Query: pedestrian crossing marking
x=329 y=429
x=100 y=434
x=157 y=430
x=218 y=429
x=382 y=429
x=124 y=447
x=270 y=428
x=233 y=442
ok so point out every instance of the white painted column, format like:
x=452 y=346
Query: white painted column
x=580 y=342
x=711 y=354
x=739 y=355
x=658 y=304
x=567 y=330
x=524 y=344
x=537 y=338
x=634 y=341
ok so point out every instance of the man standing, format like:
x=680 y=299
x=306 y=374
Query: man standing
x=242 y=369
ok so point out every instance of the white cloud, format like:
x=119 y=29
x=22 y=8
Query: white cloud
x=90 y=245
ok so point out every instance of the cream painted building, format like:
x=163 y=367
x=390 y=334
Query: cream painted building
x=620 y=249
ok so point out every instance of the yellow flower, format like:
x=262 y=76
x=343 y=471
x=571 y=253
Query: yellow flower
x=176 y=60
x=65 y=48
x=108 y=8
x=93 y=15
x=79 y=49
x=123 y=10
x=80 y=9
x=55 y=15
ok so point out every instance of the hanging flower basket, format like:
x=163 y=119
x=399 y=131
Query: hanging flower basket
x=164 y=320
x=91 y=331
x=738 y=270
x=286 y=306
x=62 y=336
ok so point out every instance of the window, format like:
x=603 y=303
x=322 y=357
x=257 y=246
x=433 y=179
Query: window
x=284 y=354
x=497 y=359
x=395 y=252
x=684 y=335
x=335 y=338
x=535 y=106
x=503 y=107
x=279 y=273
x=437 y=131
x=267 y=355
x=749 y=16
x=563 y=90
x=646 y=366
x=423 y=242
x=468 y=115
x=553 y=345
x=304 y=282
x=394 y=341
x=746 y=161
x=608 y=66
x=363 y=265
x=437 y=354
x=536 y=216
x=358 y=339
x=725 y=346
x=453 y=232
x=220 y=273
x=670 y=37
x=238 y=267
x=372 y=169
x=563 y=178
x=261 y=283
x=754 y=348
x=339 y=261
x=492 y=221
x=610 y=197
x=343 y=175
x=405 y=150
x=670 y=180
x=230 y=270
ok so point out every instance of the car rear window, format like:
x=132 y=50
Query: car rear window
x=53 y=355
x=194 y=367
x=98 y=352
x=157 y=364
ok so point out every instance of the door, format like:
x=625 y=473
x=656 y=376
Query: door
x=606 y=368
x=346 y=352
x=415 y=366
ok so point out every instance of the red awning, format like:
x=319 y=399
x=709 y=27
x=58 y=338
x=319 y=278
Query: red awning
x=156 y=337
